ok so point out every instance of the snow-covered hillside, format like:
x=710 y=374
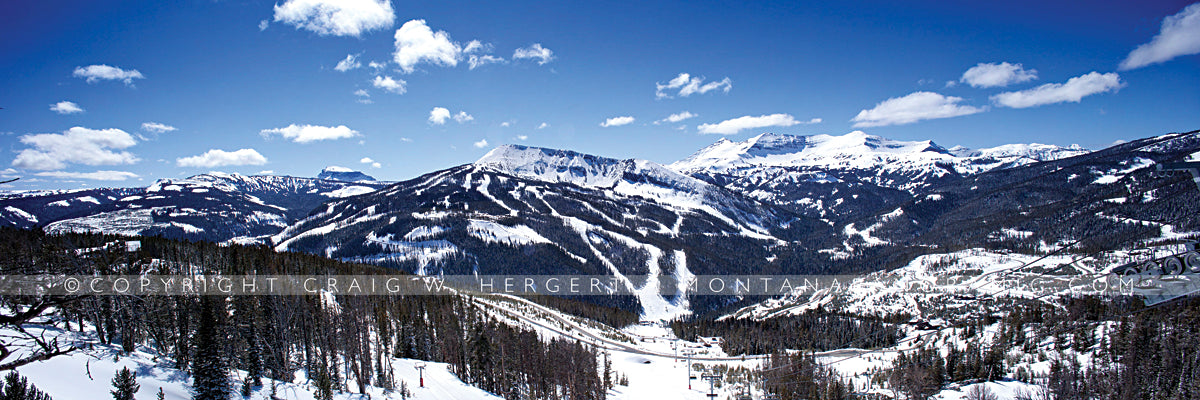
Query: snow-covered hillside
x=214 y=206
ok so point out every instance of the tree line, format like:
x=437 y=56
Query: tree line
x=344 y=343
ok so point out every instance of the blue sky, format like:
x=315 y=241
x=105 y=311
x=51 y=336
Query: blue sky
x=123 y=93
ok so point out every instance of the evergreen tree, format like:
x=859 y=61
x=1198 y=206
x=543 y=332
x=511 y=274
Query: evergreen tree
x=209 y=368
x=16 y=387
x=161 y=396
x=125 y=384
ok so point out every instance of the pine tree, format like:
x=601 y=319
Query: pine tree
x=323 y=382
x=209 y=368
x=125 y=384
x=16 y=387
x=161 y=396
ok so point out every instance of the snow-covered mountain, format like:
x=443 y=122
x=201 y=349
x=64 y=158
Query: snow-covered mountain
x=214 y=206
x=635 y=178
x=336 y=173
x=840 y=177
x=523 y=210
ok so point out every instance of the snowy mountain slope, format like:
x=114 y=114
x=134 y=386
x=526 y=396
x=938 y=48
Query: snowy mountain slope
x=838 y=177
x=477 y=218
x=214 y=206
x=630 y=178
x=27 y=209
x=1101 y=196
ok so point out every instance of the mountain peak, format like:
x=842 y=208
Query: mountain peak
x=770 y=149
x=553 y=165
x=336 y=173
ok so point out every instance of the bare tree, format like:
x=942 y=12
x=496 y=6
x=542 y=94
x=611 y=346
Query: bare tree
x=981 y=392
x=23 y=346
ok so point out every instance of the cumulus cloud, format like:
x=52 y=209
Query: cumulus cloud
x=262 y=25
x=1074 y=90
x=912 y=108
x=688 y=85
x=522 y=137
x=481 y=143
x=542 y=126
x=336 y=17
x=463 y=117
x=94 y=73
x=997 y=75
x=310 y=133
x=732 y=126
x=417 y=43
x=1180 y=36
x=368 y=160
x=377 y=65
x=673 y=118
x=77 y=145
x=439 y=115
x=506 y=124
x=157 y=127
x=65 y=107
x=96 y=176
x=222 y=158
x=387 y=83
x=534 y=51
x=351 y=62
x=617 y=121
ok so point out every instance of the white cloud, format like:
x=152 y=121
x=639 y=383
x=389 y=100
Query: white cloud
x=522 y=137
x=914 y=107
x=406 y=140
x=387 y=83
x=997 y=75
x=336 y=17
x=362 y=93
x=377 y=65
x=732 y=126
x=368 y=160
x=476 y=46
x=94 y=73
x=476 y=61
x=463 y=117
x=1180 y=36
x=506 y=124
x=1074 y=90
x=262 y=25
x=439 y=115
x=351 y=62
x=534 y=51
x=222 y=158
x=65 y=107
x=617 y=121
x=481 y=144
x=689 y=85
x=311 y=133
x=265 y=172
x=673 y=118
x=77 y=145
x=96 y=176
x=157 y=127
x=542 y=126
x=417 y=43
